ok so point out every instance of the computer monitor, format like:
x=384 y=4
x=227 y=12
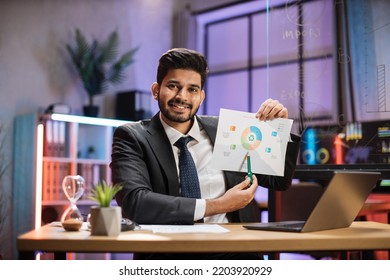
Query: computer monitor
x=354 y=146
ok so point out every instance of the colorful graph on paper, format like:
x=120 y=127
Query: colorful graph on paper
x=240 y=134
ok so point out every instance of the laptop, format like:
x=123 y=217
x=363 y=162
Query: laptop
x=337 y=207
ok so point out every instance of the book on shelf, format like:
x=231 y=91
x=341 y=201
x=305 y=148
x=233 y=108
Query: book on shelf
x=53 y=174
x=55 y=138
x=91 y=172
x=48 y=135
x=45 y=181
x=61 y=146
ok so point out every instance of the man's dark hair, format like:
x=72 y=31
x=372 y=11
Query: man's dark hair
x=181 y=58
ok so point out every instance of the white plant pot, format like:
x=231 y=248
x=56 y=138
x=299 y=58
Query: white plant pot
x=105 y=220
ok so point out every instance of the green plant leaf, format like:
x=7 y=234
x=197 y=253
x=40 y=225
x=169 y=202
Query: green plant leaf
x=95 y=62
x=104 y=193
x=109 y=49
x=116 y=72
x=128 y=58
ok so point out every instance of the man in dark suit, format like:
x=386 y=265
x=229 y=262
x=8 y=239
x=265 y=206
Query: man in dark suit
x=145 y=158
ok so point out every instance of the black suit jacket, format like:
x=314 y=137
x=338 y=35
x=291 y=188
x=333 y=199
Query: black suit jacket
x=143 y=161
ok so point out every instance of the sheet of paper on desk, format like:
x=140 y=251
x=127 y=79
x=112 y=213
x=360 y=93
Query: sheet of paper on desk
x=240 y=134
x=198 y=228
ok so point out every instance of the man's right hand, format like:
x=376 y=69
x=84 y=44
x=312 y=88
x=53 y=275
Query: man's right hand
x=235 y=198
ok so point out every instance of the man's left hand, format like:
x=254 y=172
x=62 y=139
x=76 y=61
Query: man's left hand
x=271 y=109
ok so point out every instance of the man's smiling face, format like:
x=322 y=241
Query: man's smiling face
x=179 y=97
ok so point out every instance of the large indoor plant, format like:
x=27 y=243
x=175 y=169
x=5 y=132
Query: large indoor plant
x=105 y=218
x=98 y=66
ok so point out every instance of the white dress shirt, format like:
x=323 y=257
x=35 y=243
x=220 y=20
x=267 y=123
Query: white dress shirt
x=212 y=182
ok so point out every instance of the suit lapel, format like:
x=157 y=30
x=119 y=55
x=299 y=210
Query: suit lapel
x=210 y=125
x=161 y=147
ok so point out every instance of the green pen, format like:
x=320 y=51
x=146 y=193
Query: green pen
x=248 y=161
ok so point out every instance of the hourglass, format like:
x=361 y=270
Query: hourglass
x=73 y=187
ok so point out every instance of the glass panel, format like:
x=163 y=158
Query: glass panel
x=282 y=86
x=228 y=45
x=317 y=32
x=279 y=43
x=229 y=91
x=319 y=100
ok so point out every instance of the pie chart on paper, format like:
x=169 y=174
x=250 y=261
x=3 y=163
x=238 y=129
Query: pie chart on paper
x=251 y=138
x=241 y=134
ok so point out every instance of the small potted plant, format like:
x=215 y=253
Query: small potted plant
x=91 y=152
x=105 y=219
x=97 y=65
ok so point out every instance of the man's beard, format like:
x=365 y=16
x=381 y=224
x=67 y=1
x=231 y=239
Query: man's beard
x=176 y=117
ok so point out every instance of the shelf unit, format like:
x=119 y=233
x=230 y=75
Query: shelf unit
x=46 y=149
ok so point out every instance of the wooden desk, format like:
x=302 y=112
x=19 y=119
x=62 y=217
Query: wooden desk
x=360 y=236
x=375 y=206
